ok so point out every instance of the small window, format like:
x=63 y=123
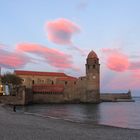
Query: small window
x=88 y=66
x=23 y=80
x=81 y=78
x=75 y=83
x=93 y=66
x=66 y=82
x=52 y=82
x=33 y=82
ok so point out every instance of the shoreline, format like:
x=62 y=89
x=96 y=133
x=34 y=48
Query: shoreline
x=62 y=119
x=38 y=127
x=78 y=122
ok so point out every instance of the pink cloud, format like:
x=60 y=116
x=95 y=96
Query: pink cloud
x=60 y=31
x=12 y=60
x=54 y=57
x=116 y=60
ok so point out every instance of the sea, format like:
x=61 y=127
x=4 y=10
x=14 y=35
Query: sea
x=119 y=114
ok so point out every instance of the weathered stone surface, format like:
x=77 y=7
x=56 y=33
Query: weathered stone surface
x=84 y=89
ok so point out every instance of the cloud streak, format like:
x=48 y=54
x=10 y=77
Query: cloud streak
x=126 y=82
x=12 y=60
x=53 y=57
x=134 y=65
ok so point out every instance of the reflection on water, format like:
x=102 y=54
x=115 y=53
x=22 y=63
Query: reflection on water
x=122 y=114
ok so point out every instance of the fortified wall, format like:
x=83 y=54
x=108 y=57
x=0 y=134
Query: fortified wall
x=27 y=96
x=54 y=87
x=17 y=99
x=114 y=97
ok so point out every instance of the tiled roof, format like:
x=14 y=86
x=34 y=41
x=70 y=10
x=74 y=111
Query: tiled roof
x=68 y=78
x=37 y=73
x=48 y=88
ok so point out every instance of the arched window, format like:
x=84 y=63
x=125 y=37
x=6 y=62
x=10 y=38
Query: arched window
x=66 y=82
x=33 y=82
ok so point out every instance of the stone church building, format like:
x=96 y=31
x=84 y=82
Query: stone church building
x=54 y=87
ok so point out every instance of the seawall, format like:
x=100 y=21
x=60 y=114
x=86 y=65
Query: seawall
x=26 y=96
x=114 y=97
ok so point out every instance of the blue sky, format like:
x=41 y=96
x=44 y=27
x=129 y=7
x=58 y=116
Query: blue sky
x=109 y=27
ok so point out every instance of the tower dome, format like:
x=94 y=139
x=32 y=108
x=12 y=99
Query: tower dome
x=92 y=54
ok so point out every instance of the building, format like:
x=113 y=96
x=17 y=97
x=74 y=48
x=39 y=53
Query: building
x=54 y=87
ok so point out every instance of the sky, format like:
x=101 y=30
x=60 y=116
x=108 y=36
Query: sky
x=57 y=35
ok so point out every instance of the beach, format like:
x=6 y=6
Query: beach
x=26 y=126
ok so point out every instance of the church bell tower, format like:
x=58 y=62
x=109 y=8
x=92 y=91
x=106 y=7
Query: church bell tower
x=93 y=77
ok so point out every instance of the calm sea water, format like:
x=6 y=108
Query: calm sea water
x=121 y=114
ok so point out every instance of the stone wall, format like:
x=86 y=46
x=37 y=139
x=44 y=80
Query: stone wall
x=115 y=96
x=74 y=94
x=28 y=96
x=18 y=99
x=48 y=98
x=29 y=80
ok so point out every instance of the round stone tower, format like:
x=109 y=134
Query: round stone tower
x=93 y=77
